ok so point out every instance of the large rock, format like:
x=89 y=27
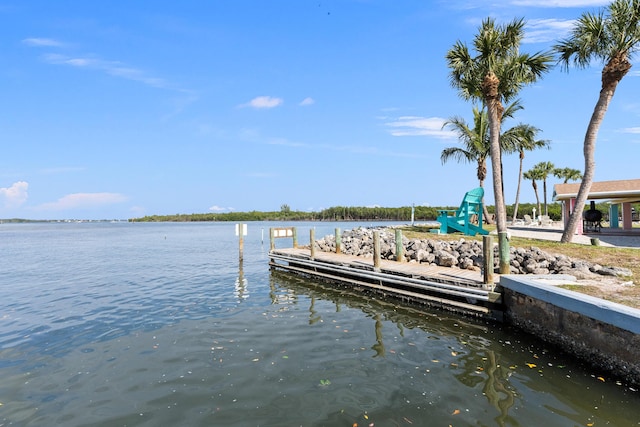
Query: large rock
x=465 y=254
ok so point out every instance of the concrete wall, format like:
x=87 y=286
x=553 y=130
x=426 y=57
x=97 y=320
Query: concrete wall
x=603 y=333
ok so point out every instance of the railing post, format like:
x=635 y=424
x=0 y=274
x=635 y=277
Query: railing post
x=312 y=243
x=376 y=250
x=338 y=241
x=295 y=237
x=399 y=246
x=487 y=252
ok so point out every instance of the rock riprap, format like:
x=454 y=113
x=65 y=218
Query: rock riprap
x=464 y=254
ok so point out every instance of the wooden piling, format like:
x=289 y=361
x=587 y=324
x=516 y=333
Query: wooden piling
x=399 y=246
x=376 y=250
x=295 y=237
x=503 y=249
x=338 y=241
x=272 y=239
x=312 y=243
x=487 y=252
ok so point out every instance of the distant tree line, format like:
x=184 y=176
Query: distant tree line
x=354 y=213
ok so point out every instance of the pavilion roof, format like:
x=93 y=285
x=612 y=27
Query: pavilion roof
x=626 y=190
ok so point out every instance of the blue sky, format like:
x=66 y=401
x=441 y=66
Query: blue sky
x=128 y=108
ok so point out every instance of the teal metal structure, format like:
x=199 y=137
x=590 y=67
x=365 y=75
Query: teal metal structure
x=460 y=220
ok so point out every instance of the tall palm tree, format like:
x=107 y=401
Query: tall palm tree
x=524 y=139
x=495 y=75
x=476 y=144
x=613 y=36
x=533 y=175
x=567 y=174
x=542 y=171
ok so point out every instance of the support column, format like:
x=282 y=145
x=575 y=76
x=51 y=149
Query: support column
x=627 y=222
x=614 y=213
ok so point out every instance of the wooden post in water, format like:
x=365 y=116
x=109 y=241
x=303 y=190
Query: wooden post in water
x=272 y=240
x=487 y=252
x=376 y=250
x=399 y=246
x=312 y=243
x=295 y=237
x=241 y=231
x=338 y=241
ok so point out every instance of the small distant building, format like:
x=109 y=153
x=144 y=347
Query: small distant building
x=620 y=194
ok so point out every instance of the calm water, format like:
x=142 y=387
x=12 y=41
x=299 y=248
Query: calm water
x=157 y=325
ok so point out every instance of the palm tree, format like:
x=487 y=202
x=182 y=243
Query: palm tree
x=542 y=171
x=476 y=143
x=533 y=175
x=613 y=36
x=567 y=174
x=524 y=139
x=495 y=75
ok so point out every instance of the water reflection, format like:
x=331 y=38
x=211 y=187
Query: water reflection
x=516 y=375
x=240 y=285
x=378 y=347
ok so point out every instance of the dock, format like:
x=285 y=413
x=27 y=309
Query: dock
x=453 y=289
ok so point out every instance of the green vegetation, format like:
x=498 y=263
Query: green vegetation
x=337 y=213
x=344 y=213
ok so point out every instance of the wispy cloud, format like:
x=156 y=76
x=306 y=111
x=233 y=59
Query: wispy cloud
x=114 y=68
x=14 y=196
x=560 y=3
x=307 y=101
x=255 y=137
x=82 y=201
x=42 y=42
x=632 y=130
x=357 y=149
x=546 y=30
x=419 y=126
x=63 y=169
x=261 y=102
x=216 y=208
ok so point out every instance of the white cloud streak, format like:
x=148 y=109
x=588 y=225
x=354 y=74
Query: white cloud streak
x=307 y=101
x=560 y=3
x=547 y=30
x=632 y=130
x=16 y=195
x=42 y=42
x=83 y=201
x=419 y=126
x=261 y=102
x=215 y=208
x=113 y=68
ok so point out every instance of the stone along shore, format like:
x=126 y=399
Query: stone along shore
x=465 y=254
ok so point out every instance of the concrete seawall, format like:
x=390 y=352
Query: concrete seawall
x=603 y=333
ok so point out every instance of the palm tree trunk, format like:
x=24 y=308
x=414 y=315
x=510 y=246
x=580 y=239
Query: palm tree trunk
x=535 y=190
x=544 y=190
x=496 y=169
x=485 y=213
x=515 y=208
x=589 y=160
x=495 y=109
